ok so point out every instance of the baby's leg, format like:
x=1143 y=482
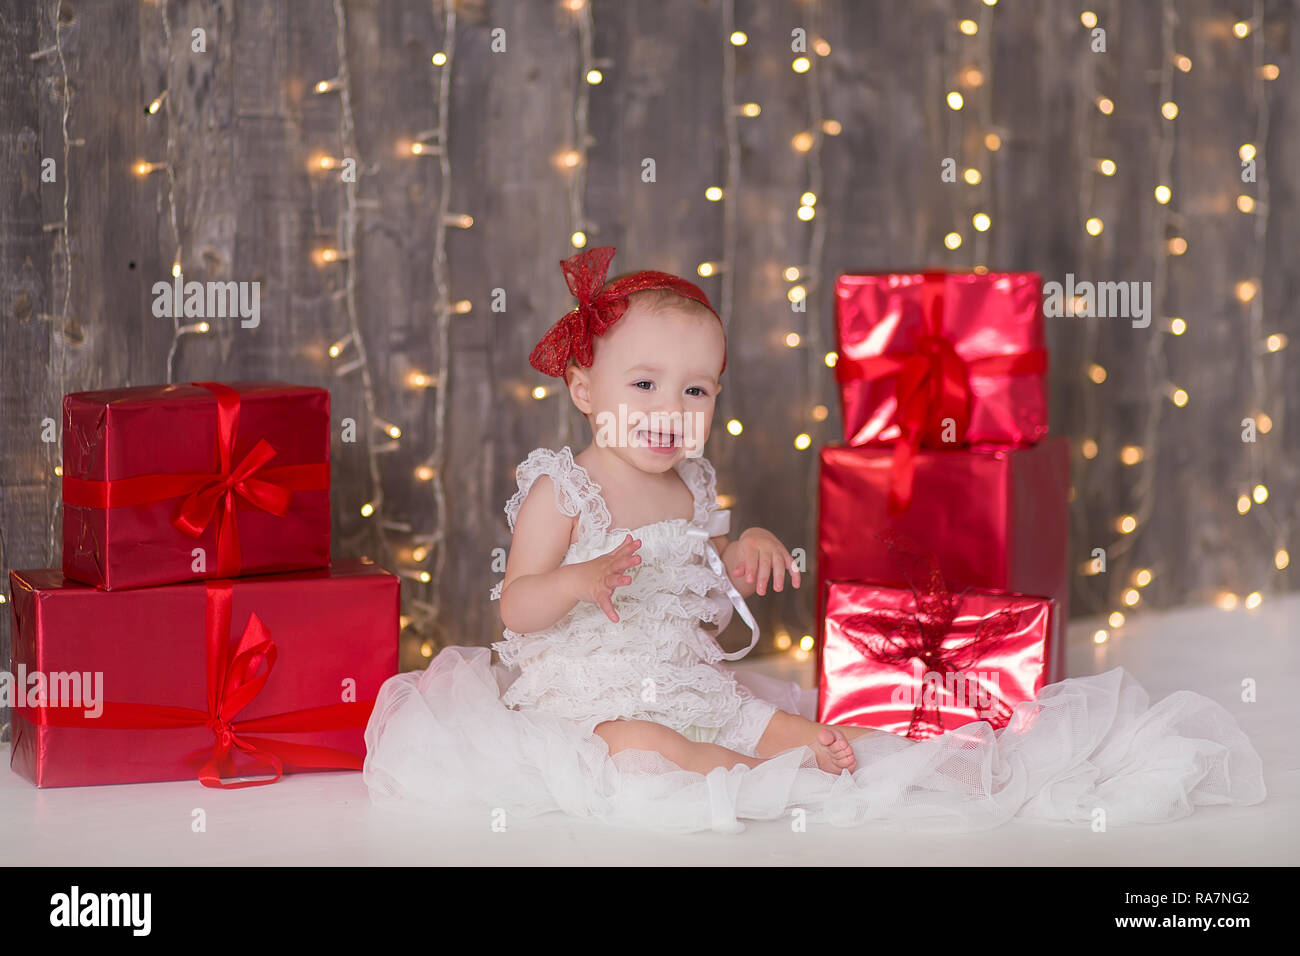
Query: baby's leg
x=623 y=734
x=829 y=742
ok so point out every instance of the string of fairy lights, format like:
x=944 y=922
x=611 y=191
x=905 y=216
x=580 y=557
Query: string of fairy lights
x=1274 y=521
x=730 y=193
x=807 y=142
x=1086 y=103
x=61 y=338
x=62 y=318
x=419 y=556
x=162 y=100
x=808 y=286
x=1125 y=580
x=431 y=469
x=1118 y=553
x=970 y=69
x=344 y=256
x=168 y=165
x=1166 y=242
x=978 y=77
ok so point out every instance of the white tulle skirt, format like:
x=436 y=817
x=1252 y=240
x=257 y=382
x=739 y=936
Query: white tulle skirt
x=1088 y=749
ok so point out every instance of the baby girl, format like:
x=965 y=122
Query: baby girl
x=605 y=633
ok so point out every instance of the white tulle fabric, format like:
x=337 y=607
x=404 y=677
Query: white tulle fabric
x=517 y=734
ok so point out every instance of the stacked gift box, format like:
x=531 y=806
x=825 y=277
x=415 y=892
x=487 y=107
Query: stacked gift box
x=197 y=629
x=942 y=518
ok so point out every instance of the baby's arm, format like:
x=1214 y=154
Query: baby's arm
x=533 y=595
x=538 y=590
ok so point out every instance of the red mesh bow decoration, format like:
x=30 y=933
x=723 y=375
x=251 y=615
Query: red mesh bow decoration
x=599 y=307
x=898 y=637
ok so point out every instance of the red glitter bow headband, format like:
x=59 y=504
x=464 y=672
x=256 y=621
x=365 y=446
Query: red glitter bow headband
x=599 y=307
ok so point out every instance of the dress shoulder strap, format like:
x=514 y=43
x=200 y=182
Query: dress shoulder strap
x=575 y=492
x=700 y=477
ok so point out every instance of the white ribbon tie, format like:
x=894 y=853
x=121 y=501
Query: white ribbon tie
x=719 y=522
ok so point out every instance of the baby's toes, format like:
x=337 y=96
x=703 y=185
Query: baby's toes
x=841 y=750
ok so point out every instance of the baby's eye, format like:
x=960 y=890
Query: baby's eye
x=696 y=390
x=642 y=382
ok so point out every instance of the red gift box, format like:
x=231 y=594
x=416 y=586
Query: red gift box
x=921 y=663
x=206 y=680
x=995 y=518
x=150 y=474
x=940 y=360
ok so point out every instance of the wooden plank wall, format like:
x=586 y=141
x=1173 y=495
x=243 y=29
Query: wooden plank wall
x=241 y=121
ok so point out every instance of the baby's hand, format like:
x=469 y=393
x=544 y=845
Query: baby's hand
x=597 y=578
x=760 y=553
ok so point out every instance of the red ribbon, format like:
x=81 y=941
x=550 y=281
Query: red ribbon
x=210 y=494
x=597 y=309
x=932 y=387
x=896 y=638
x=233 y=682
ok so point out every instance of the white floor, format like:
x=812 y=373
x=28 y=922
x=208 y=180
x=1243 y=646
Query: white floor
x=327 y=819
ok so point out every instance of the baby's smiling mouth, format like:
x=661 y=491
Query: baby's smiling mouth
x=659 y=439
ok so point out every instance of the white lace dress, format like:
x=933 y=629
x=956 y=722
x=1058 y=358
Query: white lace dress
x=517 y=735
x=656 y=662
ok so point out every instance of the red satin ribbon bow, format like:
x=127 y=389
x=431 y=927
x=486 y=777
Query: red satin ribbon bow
x=896 y=638
x=233 y=682
x=213 y=494
x=932 y=388
x=595 y=313
x=200 y=505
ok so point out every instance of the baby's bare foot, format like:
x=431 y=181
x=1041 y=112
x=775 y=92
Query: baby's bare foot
x=833 y=750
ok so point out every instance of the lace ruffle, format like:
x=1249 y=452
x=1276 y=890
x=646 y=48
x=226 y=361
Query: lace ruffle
x=576 y=494
x=702 y=479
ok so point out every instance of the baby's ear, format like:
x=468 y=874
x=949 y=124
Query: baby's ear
x=579 y=382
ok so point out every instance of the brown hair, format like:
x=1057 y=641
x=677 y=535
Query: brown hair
x=658 y=300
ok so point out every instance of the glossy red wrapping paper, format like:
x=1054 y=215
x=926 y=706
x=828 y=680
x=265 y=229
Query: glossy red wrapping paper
x=328 y=626
x=857 y=688
x=995 y=518
x=989 y=320
x=172 y=431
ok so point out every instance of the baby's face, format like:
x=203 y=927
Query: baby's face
x=652 y=385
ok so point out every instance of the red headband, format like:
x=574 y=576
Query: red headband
x=600 y=307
